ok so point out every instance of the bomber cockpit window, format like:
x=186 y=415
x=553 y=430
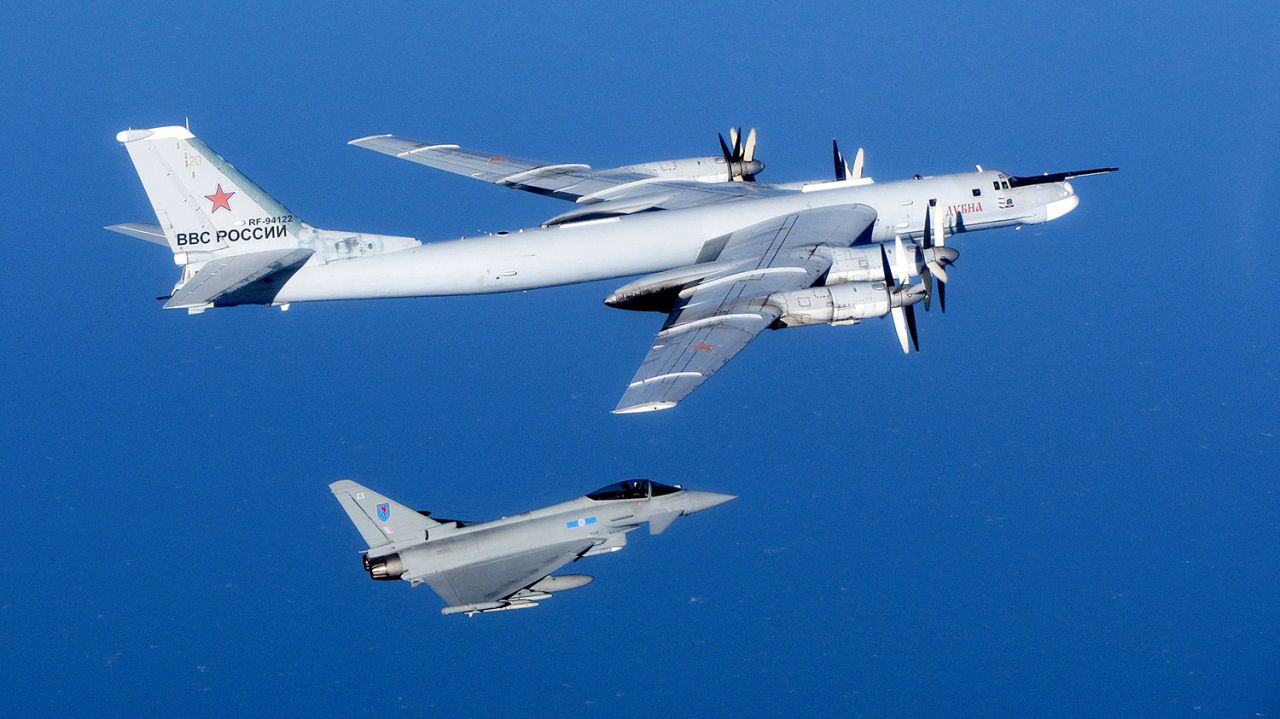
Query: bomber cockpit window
x=977 y=192
x=995 y=184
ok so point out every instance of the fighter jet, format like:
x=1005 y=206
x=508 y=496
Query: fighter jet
x=723 y=256
x=507 y=563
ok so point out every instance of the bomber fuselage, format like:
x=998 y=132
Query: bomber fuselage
x=655 y=241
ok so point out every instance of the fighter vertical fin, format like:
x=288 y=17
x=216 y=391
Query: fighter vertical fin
x=379 y=519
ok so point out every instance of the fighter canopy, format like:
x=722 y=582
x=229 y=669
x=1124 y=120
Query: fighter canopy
x=632 y=489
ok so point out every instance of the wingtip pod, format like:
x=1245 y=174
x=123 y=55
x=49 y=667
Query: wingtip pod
x=170 y=132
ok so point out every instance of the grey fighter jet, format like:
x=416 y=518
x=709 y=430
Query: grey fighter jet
x=507 y=563
x=723 y=256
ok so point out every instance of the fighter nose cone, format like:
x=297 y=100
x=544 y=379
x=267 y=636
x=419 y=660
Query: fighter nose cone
x=699 y=501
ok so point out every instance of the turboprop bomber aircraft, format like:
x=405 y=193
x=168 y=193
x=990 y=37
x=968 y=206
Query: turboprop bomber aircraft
x=723 y=256
x=507 y=563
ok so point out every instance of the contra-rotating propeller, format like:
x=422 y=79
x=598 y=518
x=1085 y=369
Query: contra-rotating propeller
x=903 y=311
x=741 y=158
x=843 y=170
x=936 y=256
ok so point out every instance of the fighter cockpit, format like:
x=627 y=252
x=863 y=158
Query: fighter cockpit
x=632 y=489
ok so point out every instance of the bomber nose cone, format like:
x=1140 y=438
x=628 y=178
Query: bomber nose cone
x=699 y=501
x=1058 y=208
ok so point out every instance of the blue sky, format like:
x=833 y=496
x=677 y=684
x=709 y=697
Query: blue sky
x=1067 y=504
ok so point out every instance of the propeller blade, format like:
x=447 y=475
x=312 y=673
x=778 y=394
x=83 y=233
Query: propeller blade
x=927 y=275
x=858 y=158
x=736 y=136
x=926 y=239
x=910 y=312
x=939 y=271
x=900 y=259
x=900 y=325
x=728 y=157
x=842 y=169
x=942 y=295
x=904 y=317
x=749 y=150
x=939 y=228
x=889 y=282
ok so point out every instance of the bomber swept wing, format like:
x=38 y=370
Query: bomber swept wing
x=718 y=315
x=602 y=193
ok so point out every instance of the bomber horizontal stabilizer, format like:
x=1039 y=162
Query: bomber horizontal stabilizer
x=225 y=275
x=141 y=231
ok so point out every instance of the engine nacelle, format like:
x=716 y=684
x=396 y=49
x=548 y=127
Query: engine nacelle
x=698 y=169
x=384 y=568
x=844 y=303
x=855 y=264
x=864 y=263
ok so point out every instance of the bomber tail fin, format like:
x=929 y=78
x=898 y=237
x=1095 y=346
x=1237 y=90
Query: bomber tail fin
x=203 y=203
x=380 y=520
x=235 y=243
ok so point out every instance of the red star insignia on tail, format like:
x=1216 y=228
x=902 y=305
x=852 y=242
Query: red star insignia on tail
x=703 y=346
x=220 y=199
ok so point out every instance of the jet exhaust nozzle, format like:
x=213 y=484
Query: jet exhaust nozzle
x=384 y=568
